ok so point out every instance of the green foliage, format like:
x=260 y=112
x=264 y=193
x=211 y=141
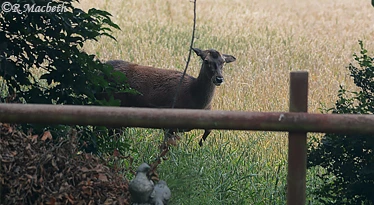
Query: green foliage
x=349 y=159
x=42 y=61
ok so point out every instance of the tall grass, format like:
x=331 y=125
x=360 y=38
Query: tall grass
x=269 y=39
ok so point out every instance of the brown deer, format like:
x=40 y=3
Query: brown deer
x=157 y=87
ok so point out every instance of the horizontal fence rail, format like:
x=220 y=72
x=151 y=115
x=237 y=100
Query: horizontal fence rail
x=188 y=119
x=297 y=122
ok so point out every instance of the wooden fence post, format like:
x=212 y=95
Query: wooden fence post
x=297 y=146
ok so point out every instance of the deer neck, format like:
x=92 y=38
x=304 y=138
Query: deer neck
x=204 y=88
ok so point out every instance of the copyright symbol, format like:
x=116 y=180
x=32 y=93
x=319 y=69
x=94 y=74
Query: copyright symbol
x=6 y=6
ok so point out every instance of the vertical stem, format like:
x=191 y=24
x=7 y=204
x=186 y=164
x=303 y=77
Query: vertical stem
x=189 y=55
x=1 y=187
x=297 y=146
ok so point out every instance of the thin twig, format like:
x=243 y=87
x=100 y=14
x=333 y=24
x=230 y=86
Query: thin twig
x=165 y=145
x=189 y=55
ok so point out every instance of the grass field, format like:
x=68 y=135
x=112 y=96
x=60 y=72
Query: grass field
x=269 y=39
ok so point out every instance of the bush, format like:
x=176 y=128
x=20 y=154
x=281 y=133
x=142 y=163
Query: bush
x=41 y=58
x=348 y=159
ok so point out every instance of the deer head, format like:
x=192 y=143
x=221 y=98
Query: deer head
x=213 y=62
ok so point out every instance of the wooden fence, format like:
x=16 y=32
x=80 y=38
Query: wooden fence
x=297 y=122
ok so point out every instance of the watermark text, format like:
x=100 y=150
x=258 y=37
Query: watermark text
x=32 y=8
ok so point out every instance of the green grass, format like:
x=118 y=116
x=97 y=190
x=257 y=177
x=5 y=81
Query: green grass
x=269 y=39
x=231 y=172
x=233 y=167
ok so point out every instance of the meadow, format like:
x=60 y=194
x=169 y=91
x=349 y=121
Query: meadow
x=269 y=39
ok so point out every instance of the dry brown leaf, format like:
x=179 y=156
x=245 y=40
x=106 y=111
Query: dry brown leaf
x=84 y=169
x=87 y=190
x=34 y=138
x=7 y=158
x=31 y=167
x=98 y=168
x=7 y=128
x=52 y=201
x=88 y=156
x=155 y=178
x=47 y=135
x=28 y=147
x=70 y=198
x=29 y=176
x=14 y=153
x=103 y=177
x=89 y=182
x=116 y=153
x=54 y=164
x=172 y=142
x=108 y=201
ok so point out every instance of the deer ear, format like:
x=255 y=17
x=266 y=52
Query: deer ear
x=197 y=51
x=228 y=58
x=200 y=53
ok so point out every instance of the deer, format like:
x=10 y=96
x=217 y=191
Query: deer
x=156 y=87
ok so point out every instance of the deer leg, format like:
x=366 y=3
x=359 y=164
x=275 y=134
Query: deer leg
x=170 y=138
x=203 y=138
x=168 y=133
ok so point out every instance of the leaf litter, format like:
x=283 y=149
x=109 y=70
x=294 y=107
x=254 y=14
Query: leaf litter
x=37 y=170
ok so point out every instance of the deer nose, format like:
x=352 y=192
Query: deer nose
x=219 y=79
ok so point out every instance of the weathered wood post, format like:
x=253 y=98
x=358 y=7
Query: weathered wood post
x=297 y=146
